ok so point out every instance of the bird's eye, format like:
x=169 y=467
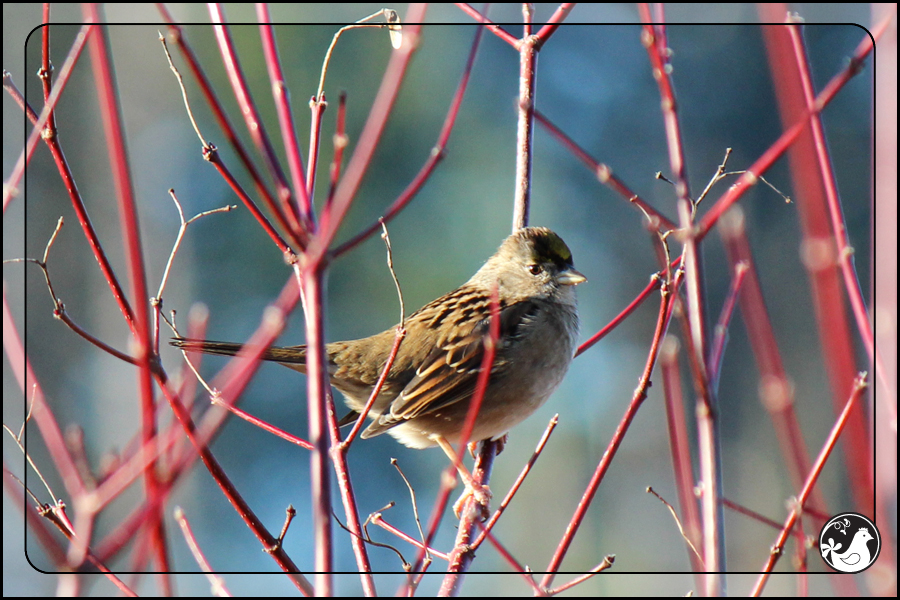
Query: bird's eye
x=535 y=269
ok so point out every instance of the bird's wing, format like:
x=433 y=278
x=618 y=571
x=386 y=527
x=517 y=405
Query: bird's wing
x=449 y=373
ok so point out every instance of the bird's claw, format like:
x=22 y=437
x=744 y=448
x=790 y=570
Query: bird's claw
x=481 y=494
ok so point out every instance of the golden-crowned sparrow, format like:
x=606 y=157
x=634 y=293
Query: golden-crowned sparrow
x=427 y=393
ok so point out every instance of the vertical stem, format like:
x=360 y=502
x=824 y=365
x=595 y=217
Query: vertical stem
x=120 y=168
x=317 y=106
x=463 y=553
x=282 y=98
x=707 y=410
x=654 y=39
x=528 y=49
x=312 y=277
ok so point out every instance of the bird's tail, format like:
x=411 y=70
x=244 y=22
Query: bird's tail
x=290 y=355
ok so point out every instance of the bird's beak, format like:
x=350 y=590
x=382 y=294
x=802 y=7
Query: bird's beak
x=571 y=277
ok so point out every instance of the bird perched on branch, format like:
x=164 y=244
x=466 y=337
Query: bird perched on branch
x=425 y=398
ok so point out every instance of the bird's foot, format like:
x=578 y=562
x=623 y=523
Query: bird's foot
x=478 y=492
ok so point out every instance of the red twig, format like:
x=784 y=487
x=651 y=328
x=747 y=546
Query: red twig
x=653 y=38
x=368 y=140
x=255 y=125
x=517 y=483
x=605 y=174
x=437 y=154
x=608 y=561
x=51 y=434
x=797 y=533
x=787 y=138
x=340 y=144
x=265 y=426
x=555 y=20
x=218 y=585
x=225 y=124
x=679 y=444
x=234 y=497
x=514 y=563
x=775 y=387
x=378 y=519
x=212 y=155
x=859 y=387
x=484 y=374
x=282 y=98
x=124 y=189
x=495 y=29
x=462 y=553
x=640 y=393
x=312 y=279
x=655 y=282
x=348 y=498
x=528 y=49
x=717 y=353
x=385 y=371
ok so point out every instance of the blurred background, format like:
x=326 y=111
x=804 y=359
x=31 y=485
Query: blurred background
x=594 y=82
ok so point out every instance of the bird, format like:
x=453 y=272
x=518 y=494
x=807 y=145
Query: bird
x=425 y=398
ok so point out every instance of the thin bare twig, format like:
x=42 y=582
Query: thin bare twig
x=392 y=356
x=394 y=28
x=390 y=263
x=17 y=438
x=290 y=513
x=415 y=506
x=859 y=386
x=681 y=530
x=59 y=308
x=187 y=103
x=178 y=238
x=608 y=561
x=368 y=539
x=518 y=482
x=217 y=584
